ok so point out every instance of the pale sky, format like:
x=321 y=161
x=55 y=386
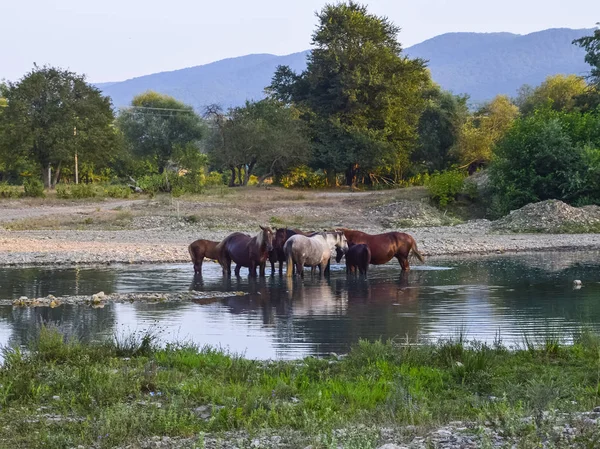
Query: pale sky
x=113 y=40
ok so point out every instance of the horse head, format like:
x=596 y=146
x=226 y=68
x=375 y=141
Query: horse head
x=266 y=237
x=280 y=237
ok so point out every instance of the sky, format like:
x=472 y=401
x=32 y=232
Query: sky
x=113 y=40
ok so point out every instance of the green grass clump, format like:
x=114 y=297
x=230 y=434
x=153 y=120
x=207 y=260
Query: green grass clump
x=120 y=391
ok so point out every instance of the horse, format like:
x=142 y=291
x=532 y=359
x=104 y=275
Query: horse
x=277 y=254
x=199 y=250
x=386 y=246
x=301 y=251
x=358 y=258
x=246 y=251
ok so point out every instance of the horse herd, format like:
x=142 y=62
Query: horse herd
x=304 y=249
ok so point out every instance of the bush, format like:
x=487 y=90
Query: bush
x=303 y=176
x=117 y=191
x=547 y=156
x=34 y=188
x=214 y=179
x=77 y=191
x=8 y=191
x=445 y=186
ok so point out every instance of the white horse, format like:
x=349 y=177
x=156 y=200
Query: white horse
x=314 y=251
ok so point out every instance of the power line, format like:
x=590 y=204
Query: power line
x=155 y=109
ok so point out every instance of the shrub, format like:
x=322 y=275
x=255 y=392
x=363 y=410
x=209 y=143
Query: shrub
x=79 y=191
x=214 y=179
x=547 y=156
x=303 y=176
x=117 y=191
x=62 y=191
x=8 y=191
x=34 y=188
x=445 y=186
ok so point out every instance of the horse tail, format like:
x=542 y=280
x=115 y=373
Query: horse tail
x=416 y=252
x=192 y=253
x=289 y=263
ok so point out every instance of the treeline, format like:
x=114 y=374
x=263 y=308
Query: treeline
x=361 y=113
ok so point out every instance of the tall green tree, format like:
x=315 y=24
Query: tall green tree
x=265 y=137
x=360 y=95
x=156 y=125
x=591 y=44
x=439 y=129
x=51 y=115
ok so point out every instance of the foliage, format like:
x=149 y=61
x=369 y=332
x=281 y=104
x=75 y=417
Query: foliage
x=34 y=188
x=265 y=137
x=439 y=129
x=445 y=186
x=76 y=191
x=214 y=178
x=359 y=95
x=156 y=125
x=304 y=177
x=46 y=108
x=557 y=92
x=129 y=388
x=481 y=131
x=117 y=191
x=591 y=44
x=8 y=191
x=548 y=155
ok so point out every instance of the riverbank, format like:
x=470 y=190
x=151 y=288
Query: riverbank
x=130 y=393
x=160 y=229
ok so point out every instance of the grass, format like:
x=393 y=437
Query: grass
x=122 y=390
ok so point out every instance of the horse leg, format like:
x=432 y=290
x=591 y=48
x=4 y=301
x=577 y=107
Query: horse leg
x=300 y=269
x=198 y=266
x=403 y=263
x=263 y=268
x=238 y=267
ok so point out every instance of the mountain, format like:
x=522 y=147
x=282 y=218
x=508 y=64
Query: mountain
x=481 y=65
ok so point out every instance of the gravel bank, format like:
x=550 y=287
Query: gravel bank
x=152 y=246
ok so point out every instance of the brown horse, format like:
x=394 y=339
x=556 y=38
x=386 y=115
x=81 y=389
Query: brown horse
x=277 y=254
x=201 y=249
x=358 y=258
x=386 y=246
x=246 y=251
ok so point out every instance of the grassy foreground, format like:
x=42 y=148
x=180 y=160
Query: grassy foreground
x=61 y=393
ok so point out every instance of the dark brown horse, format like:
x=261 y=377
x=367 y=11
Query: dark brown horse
x=201 y=249
x=386 y=246
x=358 y=258
x=246 y=251
x=277 y=254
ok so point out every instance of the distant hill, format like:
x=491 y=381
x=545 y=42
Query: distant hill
x=481 y=65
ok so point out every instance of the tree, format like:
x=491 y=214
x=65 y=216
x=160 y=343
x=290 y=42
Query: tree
x=480 y=132
x=51 y=115
x=359 y=95
x=265 y=137
x=557 y=92
x=156 y=125
x=591 y=44
x=439 y=129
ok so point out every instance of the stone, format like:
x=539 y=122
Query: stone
x=391 y=446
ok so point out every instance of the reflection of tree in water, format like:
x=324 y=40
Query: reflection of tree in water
x=83 y=322
x=35 y=282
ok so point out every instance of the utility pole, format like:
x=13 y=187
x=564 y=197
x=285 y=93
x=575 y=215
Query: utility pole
x=76 y=162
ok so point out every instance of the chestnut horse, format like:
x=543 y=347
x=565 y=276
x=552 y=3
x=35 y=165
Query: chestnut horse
x=201 y=249
x=277 y=254
x=386 y=246
x=246 y=251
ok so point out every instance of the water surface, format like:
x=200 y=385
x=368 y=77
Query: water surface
x=485 y=297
